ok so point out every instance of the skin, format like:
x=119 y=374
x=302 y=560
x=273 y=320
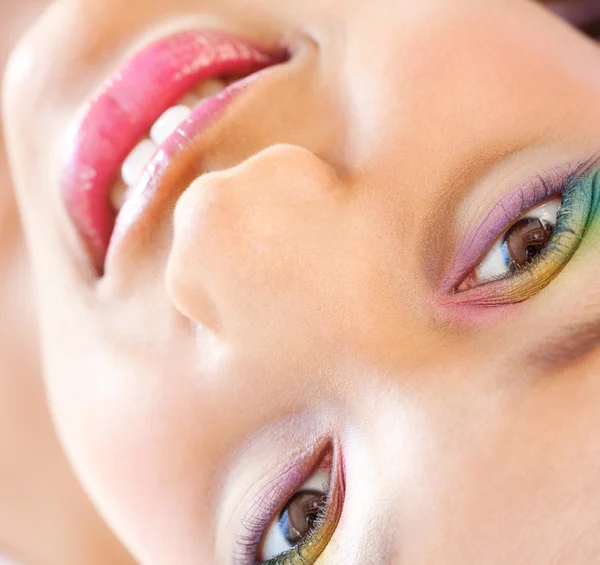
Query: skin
x=293 y=291
x=45 y=518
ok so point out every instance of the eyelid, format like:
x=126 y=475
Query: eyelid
x=547 y=209
x=309 y=550
x=277 y=490
x=317 y=541
x=509 y=209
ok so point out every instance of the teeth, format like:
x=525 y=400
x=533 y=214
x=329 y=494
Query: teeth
x=207 y=89
x=142 y=154
x=137 y=160
x=118 y=195
x=168 y=123
x=210 y=88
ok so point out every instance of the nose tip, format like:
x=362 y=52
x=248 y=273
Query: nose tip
x=238 y=233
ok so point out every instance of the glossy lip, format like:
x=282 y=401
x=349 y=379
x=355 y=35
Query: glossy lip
x=126 y=107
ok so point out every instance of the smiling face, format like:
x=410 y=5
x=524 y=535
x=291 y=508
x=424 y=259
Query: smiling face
x=351 y=307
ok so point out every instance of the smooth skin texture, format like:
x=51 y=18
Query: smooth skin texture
x=293 y=291
x=45 y=518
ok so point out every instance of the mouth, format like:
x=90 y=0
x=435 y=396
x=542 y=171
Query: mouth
x=143 y=118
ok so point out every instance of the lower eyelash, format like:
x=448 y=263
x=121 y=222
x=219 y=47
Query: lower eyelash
x=307 y=552
x=281 y=487
x=559 y=180
x=294 y=556
x=578 y=209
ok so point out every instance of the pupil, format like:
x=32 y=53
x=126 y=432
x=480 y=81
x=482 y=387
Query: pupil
x=300 y=515
x=527 y=239
x=531 y=252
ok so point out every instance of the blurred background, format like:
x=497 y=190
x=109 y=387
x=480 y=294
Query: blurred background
x=45 y=518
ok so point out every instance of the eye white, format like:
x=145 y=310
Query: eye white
x=274 y=542
x=497 y=262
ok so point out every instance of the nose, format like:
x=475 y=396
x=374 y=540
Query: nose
x=248 y=237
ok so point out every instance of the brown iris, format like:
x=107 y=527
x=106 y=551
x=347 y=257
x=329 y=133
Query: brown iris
x=527 y=239
x=300 y=515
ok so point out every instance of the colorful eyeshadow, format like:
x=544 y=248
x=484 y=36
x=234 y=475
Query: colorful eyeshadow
x=307 y=552
x=578 y=214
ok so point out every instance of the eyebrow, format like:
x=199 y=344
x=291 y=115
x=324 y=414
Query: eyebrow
x=565 y=348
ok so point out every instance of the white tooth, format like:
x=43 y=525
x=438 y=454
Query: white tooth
x=118 y=195
x=169 y=122
x=137 y=160
x=210 y=88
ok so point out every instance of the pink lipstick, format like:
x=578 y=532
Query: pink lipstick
x=121 y=114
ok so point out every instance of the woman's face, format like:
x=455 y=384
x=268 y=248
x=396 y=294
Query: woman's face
x=374 y=266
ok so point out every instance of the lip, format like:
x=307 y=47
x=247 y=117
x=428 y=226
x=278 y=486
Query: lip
x=126 y=107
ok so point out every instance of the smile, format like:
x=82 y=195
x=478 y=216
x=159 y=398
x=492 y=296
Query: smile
x=145 y=116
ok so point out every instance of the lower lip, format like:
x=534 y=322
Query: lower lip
x=125 y=108
x=143 y=194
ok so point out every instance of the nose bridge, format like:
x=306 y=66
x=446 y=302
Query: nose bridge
x=247 y=239
x=385 y=474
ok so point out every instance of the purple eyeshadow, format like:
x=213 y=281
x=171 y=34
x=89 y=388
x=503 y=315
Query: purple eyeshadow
x=531 y=192
x=278 y=488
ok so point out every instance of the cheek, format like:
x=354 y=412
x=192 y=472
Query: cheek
x=148 y=434
x=531 y=466
x=147 y=441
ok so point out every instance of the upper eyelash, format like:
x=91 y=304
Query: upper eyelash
x=535 y=190
x=564 y=177
x=515 y=268
x=271 y=499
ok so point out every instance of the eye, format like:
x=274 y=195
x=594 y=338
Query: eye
x=518 y=247
x=300 y=517
x=294 y=526
x=544 y=222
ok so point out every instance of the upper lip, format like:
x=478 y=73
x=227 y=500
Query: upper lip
x=125 y=108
